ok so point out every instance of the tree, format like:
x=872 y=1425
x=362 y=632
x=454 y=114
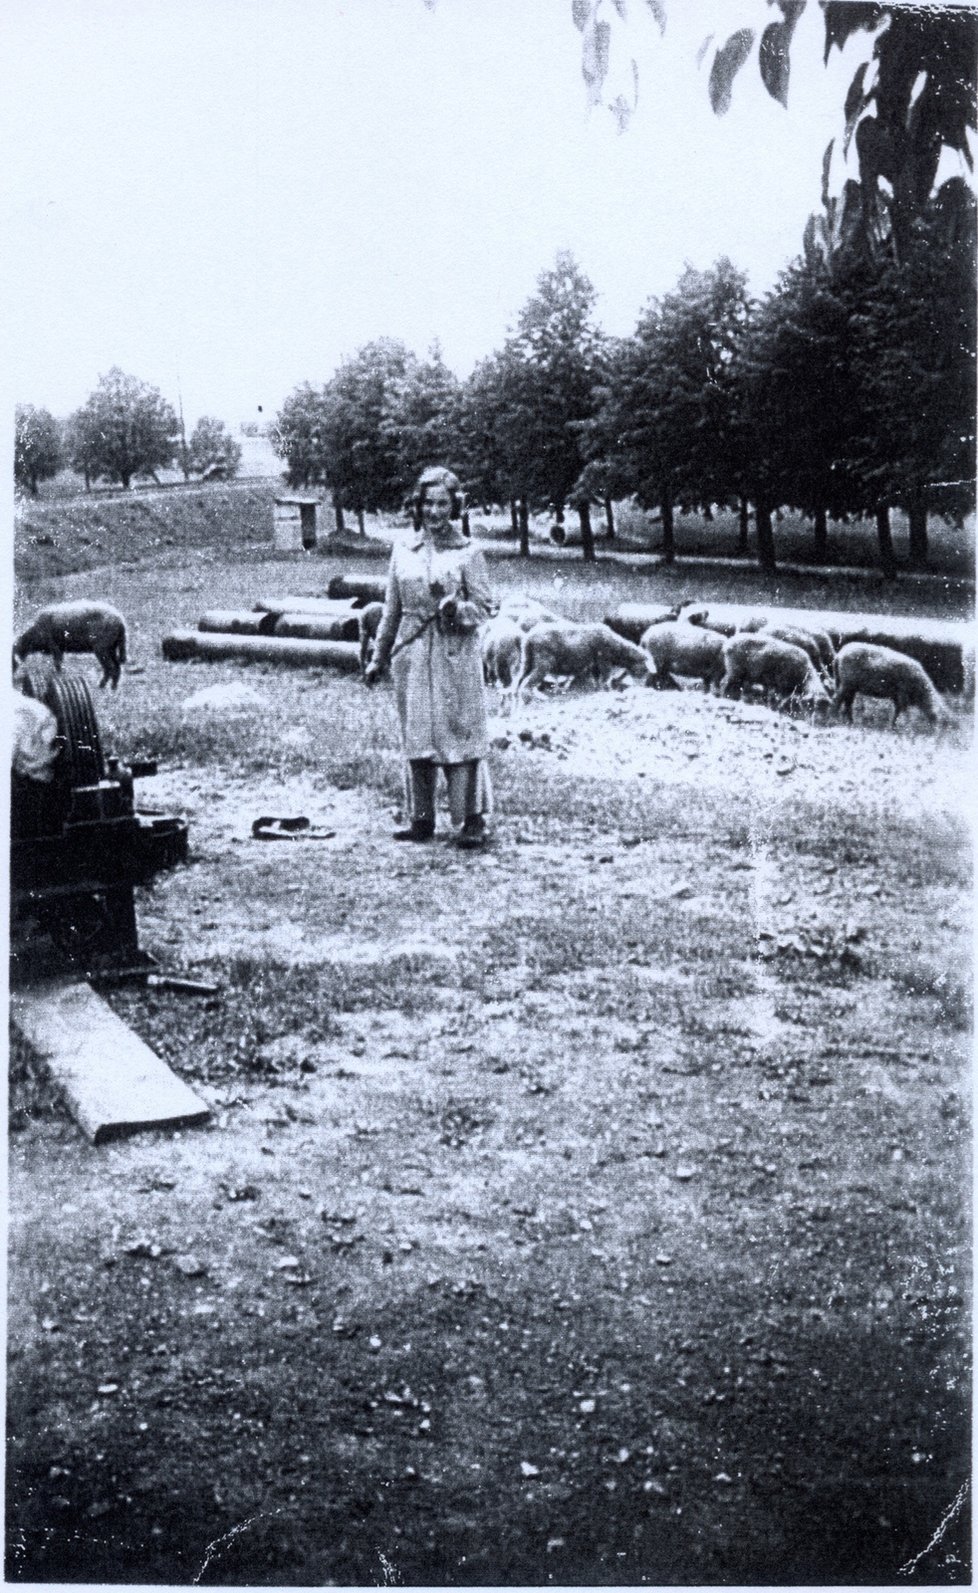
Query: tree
x=422 y=415
x=38 y=452
x=212 y=449
x=361 y=458
x=124 y=429
x=913 y=332
x=297 y=438
x=554 y=365
x=667 y=423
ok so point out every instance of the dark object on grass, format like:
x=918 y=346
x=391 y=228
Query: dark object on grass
x=289 y=829
x=78 y=846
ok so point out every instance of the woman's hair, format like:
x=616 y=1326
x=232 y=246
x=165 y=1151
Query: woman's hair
x=435 y=476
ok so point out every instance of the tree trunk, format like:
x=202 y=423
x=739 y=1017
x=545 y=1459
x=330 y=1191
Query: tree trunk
x=765 y=538
x=524 y=526
x=609 y=520
x=668 y=537
x=514 y=516
x=558 y=514
x=743 y=528
x=361 y=527
x=885 y=535
x=338 y=513
x=918 y=535
x=820 y=546
x=587 y=535
x=466 y=524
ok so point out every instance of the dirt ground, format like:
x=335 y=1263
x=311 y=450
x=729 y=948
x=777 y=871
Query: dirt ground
x=593 y=1210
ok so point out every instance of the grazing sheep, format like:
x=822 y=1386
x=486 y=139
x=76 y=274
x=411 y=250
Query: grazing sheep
x=33 y=742
x=368 y=619
x=883 y=672
x=685 y=649
x=817 y=644
x=82 y=626
x=502 y=644
x=781 y=669
x=582 y=652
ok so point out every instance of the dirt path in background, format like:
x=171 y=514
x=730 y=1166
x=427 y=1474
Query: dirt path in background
x=586 y=1211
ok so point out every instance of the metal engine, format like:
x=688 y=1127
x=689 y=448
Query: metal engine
x=78 y=845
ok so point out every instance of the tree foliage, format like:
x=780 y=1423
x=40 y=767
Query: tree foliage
x=914 y=98
x=668 y=420
x=212 y=449
x=38 y=452
x=422 y=415
x=124 y=429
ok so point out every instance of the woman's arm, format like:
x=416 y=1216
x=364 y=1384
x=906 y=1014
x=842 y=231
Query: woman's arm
x=389 y=620
x=477 y=604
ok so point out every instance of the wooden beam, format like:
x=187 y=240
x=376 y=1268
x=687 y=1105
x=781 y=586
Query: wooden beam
x=112 y=1082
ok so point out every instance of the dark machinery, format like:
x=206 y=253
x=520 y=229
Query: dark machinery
x=78 y=846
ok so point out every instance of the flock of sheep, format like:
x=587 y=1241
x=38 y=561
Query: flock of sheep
x=525 y=644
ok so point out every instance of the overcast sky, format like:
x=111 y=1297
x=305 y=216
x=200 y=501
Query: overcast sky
x=226 y=197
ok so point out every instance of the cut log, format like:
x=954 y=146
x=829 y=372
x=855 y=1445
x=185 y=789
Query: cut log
x=183 y=646
x=363 y=588
x=112 y=1082
x=319 y=627
x=239 y=622
x=326 y=607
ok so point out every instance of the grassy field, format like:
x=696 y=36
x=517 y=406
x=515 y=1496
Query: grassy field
x=595 y=1210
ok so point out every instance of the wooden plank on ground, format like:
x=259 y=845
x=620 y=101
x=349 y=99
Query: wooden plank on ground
x=113 y=1083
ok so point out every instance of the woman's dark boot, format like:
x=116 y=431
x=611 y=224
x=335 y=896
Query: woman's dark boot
x=473 y=833
x=418 y=830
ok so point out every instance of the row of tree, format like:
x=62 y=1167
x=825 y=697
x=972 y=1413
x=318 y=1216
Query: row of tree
x=124 y=429
x=847 y=391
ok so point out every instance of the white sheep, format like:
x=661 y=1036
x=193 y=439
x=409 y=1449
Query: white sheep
x=816 y=643
x=679 y=648
x=82 y=626
x=874 y=671
x=782 y=670
x=502 y=645
x=368 y=621
x=33 y=743
x=582 y=653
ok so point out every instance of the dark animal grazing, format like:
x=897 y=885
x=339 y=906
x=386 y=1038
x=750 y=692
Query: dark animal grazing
x=81 y=626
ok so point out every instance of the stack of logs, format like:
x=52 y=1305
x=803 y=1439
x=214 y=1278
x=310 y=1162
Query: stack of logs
x=316 y=632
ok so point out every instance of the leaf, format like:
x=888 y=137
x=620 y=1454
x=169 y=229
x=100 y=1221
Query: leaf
x=594 y=58
x=775 y=62
x=727 y=63
x=581 y=13
x=846 y=17
x=658 y=10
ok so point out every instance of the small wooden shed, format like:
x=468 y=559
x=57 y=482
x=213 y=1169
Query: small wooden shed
x=295 y=523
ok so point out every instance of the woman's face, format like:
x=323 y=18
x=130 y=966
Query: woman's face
x=436 y=507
